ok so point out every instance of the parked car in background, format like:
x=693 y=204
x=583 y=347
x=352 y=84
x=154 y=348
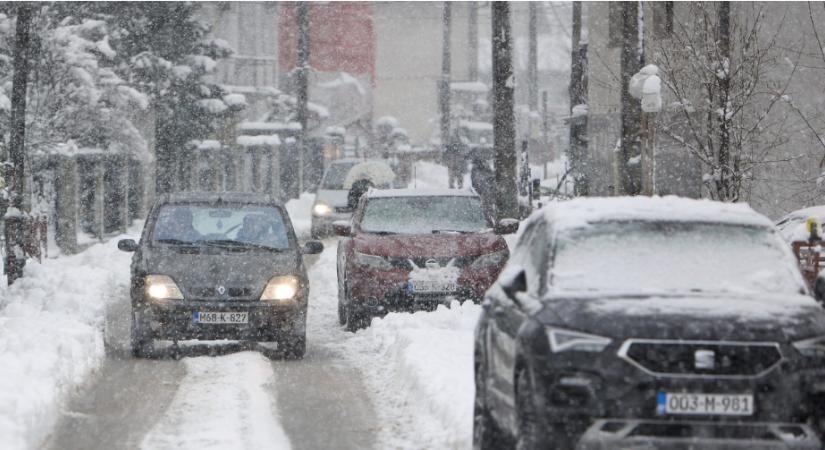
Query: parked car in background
x=412 y=249
x=660 y=323
x=331 y=198
x=792 y=225
x=219 y=266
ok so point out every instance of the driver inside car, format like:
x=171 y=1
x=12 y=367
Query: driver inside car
x=177 y=226
x=258 y=229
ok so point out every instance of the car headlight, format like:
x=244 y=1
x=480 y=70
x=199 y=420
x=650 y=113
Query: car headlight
x=490 y=259
x=321 y=209
x=573 y=341
x=162 y=287
x=811 y=348
x=372 y=261
x=281 y=288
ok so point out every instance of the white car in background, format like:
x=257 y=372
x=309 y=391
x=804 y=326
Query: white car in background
x=331 y=202
x=792 y=226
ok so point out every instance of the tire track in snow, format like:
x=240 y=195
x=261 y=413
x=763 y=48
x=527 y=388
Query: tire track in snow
x=221 y=403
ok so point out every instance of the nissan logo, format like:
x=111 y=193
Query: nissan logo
x=432 y=264
x=704 y=360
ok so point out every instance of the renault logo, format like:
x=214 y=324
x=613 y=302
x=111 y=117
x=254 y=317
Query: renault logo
x=704 y=360
x=221 y=290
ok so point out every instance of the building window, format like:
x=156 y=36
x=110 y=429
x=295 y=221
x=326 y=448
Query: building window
x=662 y=19
x=615 y=24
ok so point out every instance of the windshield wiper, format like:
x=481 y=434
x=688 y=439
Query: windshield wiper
x=237 y=244
x=452 y=231
x=177 y=242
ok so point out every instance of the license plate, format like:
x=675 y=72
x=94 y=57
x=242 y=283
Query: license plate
x=221 y=317
x=427 y=286
x=705 y=404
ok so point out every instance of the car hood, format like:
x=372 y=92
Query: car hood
x=440 y=245
x=332 y=197
x=695 y=317
x=212 y=267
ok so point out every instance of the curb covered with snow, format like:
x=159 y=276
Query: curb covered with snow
x=51 y=337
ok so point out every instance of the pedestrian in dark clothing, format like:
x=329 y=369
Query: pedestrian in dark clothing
x=455 y=159
x=484 y=181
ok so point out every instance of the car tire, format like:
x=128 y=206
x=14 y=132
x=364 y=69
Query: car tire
x=486 y=433
x=292 y=347
x=142 y=342
x=534 y=432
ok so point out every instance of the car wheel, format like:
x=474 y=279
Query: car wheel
x=292 y=347
x=486 y=433
x=141 y=337
x=533 y=431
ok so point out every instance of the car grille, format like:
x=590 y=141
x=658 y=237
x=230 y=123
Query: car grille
x=700 y=358
x=421 y=262
x=231 y=292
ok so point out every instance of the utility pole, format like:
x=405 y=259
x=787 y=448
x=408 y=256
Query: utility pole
x=302 y=87
x=16 y=181
x=472 y=40
x=444 y=91
x=504 y=127
x=532 y=59
x=629 y=163
x=578 y=122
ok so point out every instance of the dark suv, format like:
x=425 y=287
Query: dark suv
x=219 y=266
x=659 y=323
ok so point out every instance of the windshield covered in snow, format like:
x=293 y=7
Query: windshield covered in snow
x=416 y=215
x=229 y=225
x=335 y=176
x=672 y=257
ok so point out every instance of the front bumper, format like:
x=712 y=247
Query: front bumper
x=322 y=225
x=624 y=434
x=174 y=320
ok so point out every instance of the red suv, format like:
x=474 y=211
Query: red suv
x=407 y=250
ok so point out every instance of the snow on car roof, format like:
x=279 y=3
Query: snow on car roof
x=580 y=212
x=229 y=197
x=793 y=225
x=384 y=193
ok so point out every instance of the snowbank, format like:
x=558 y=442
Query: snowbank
x=51 y=336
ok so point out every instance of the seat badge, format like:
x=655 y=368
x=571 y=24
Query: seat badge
x=704 y=360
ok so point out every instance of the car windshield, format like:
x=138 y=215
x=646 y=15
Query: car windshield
x=229 y=225
x=424 y=214
x=335 y=176
x=673 y=257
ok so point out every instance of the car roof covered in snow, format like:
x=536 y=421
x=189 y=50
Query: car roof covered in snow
x=229 y=197
x=581 y=212
x=386 y=193
x=793 y=225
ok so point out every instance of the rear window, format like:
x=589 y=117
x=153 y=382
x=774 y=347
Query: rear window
x=423 y=215
x=186 y=224
x=673 y=257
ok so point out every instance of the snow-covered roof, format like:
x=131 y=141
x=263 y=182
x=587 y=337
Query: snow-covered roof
x=250 y=141
x=473 y=125
x=384 y=193
x=580 y=212
x=471 y=86
x=268 y=126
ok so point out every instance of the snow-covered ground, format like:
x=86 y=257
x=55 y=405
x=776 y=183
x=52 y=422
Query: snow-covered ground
x=51 y=336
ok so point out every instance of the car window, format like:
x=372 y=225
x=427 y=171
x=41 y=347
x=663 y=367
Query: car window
x=335 y=176
x=673 y=257
x=243 y=224
x=424 y=214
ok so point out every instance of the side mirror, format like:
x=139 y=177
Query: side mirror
x=514 y=284
x=342 y=228
x=127 y=245
x=507 y=226
x=312 y=248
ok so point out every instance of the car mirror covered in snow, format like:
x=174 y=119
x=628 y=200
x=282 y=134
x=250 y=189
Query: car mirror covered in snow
x=507 y=226
x=342 y=228
x=127 y=245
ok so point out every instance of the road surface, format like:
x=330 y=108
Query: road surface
x=220 y=396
